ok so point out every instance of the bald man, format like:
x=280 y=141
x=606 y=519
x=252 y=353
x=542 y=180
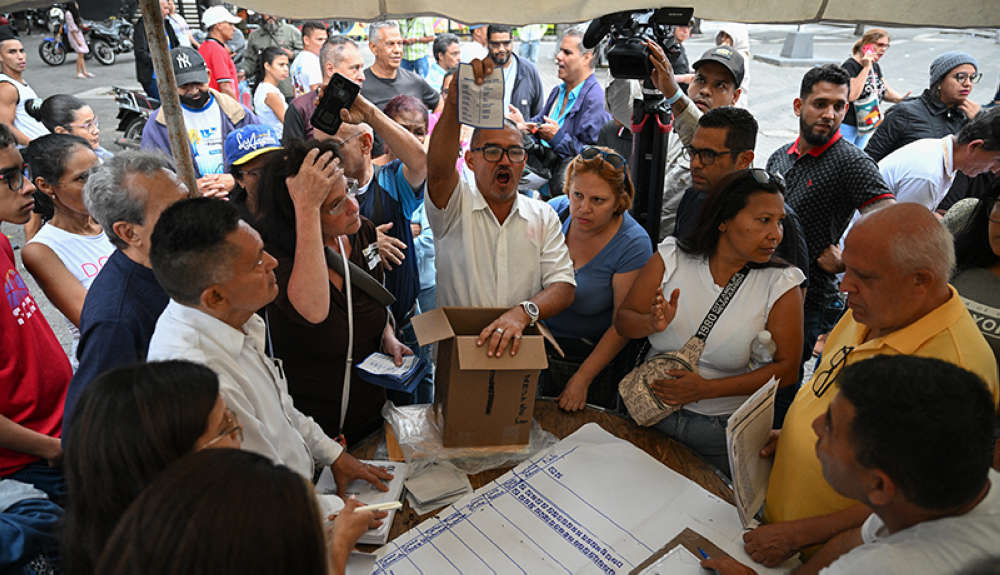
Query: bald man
x=898 y=260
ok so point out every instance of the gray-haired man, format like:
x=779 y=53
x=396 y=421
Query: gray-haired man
x=385 y=80
x=126 y=196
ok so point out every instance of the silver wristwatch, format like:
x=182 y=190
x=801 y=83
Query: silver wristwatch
x=532 y=310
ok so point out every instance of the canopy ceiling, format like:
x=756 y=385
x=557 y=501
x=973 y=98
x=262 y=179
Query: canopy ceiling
x=932 y=13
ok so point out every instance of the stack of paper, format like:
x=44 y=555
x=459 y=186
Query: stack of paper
x=368 y=494
x=435 y=487
x=380 y=369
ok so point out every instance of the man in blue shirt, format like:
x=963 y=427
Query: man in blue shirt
x=126 y=196
x=574 y=113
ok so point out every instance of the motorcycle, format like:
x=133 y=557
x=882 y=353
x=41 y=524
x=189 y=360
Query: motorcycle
x=109 y=38
x=134 y=108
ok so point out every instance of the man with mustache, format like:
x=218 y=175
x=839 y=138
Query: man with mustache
x=495 y=247
x=522 y=86
x=716 y=82
x=827 y=178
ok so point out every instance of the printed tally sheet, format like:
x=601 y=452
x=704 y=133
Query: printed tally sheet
x=590 y=504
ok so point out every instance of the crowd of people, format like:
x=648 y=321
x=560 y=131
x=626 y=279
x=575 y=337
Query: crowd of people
x=217 y=331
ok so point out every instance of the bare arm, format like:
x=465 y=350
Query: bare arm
x=23 y=440
x=550 y=301
x=574 y=396
x=774 y=543
x=277 y=104
x=8 y=111
x=402 y=143
x=227 y=89
x=663 y=77
x=309 y=284
x=635 y=319
x=858 y=82
x=442 y=154
x=60 y=286
x=894 y=96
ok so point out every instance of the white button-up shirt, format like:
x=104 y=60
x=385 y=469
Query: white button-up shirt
x=251 y=383
x=481 y=263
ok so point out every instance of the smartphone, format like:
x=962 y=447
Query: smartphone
x=338 y=95
x=868 y=49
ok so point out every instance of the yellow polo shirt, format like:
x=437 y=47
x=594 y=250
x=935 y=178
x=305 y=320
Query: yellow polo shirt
x=797 y=489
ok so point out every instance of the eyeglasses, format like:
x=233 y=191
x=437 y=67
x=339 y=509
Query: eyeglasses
x=961 y=77
x=91 y=126
x=253 y=173
x=616 y=161
x=494 y=154
x=347 y=139
x=707 y=156
x=352 y=192
x=15 y=177
x=503 y=43
x=232 y=426
x=993 y=213
x=766 y=178
x=824 y=379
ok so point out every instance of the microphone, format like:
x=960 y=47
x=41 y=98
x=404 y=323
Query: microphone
x=595 y=33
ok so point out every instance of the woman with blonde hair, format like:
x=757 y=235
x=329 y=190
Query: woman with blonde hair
x=866 y=81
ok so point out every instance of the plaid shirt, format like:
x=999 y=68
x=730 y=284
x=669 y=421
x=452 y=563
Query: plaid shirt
x=416 y=28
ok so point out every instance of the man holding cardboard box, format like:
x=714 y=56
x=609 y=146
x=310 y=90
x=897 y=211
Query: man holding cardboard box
x=495 y=247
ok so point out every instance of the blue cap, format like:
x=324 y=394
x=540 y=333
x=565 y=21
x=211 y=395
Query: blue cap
x=249 y=142
x=474 y=26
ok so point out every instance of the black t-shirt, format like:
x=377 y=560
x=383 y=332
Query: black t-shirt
x=825 y=187
x=681 y=66
x=379 y=91
x=853 y=68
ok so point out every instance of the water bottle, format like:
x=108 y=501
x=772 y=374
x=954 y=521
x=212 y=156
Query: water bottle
x=762 y=350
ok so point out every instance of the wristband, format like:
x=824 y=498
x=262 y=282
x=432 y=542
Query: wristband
x=677 y=96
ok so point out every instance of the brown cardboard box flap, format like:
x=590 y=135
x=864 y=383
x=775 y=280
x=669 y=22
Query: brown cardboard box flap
x=530 y=356
x=446 y=322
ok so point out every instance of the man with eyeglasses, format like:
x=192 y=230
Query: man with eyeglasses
x=215 y=269
x=897 y=262
x=716 y=82
x=15 y=91
x=210 y=116
x=388 y=196
x=522 y=86
x=35 y=370
x=494 y=246
x=923 y=171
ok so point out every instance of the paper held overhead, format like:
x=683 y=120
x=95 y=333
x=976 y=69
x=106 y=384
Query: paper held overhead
x=955 y=14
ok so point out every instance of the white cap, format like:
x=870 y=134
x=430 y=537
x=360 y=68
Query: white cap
x=764 y=336
x=217 y=14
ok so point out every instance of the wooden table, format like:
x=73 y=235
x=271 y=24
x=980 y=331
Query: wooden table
x=561 y=423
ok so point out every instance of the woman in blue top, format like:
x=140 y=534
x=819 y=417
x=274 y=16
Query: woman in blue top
x=608 y=249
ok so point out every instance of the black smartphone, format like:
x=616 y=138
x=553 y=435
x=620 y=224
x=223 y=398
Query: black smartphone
x=338 y=95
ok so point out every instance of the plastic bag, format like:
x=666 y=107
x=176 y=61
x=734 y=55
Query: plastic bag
x=418 y=431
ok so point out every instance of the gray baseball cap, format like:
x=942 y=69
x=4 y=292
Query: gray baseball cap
x=189 y=66
x=726 y=56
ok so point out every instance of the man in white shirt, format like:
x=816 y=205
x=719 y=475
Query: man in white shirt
x=14 y=91
x=922 y=172
x=217 y=274
x=494 y=246
x=475 y=50
x=306 y=72
x=912 y=438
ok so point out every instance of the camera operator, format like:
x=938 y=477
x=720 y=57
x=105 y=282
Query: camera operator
x=716 y=82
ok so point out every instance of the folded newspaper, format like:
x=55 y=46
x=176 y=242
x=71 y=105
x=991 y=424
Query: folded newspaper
x=748 y=431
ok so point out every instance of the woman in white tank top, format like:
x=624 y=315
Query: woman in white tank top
x=65 y=256
x=268 y=103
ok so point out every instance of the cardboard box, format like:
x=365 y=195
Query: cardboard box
x=482 y=400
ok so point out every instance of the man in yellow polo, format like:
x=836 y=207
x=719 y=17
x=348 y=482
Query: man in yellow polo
x=897 y=264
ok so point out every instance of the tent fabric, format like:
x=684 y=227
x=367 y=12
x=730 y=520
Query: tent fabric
x=934 y=13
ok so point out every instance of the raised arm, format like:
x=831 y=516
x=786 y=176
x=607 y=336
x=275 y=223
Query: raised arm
x=309 y=283
x=404 y=144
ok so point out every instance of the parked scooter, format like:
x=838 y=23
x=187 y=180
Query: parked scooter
x=134 y=108
x=109 y=38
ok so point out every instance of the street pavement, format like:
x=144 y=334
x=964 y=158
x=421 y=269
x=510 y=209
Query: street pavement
x=771 y=91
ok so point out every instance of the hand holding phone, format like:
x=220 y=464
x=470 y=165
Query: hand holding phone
x=338 y=95
x=868 y=49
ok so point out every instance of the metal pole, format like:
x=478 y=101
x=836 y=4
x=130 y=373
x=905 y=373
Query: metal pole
x=170 y=103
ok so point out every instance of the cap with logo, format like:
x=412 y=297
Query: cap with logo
x=725 y=55
x=216 y=14
x=249 y=142
x=189 y=66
